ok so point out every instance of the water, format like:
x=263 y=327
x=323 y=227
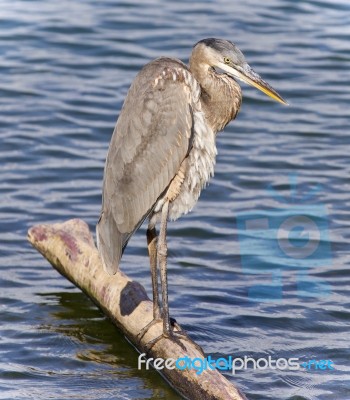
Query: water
x=65 y=68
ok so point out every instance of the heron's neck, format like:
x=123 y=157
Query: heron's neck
x=221 y=96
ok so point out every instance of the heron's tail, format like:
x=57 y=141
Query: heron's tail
x=109 y=242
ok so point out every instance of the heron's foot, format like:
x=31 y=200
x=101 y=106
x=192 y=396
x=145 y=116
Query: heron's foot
x=177 y=336
x=157 y=317
x=174 y=336
x=145 y=329
x=171 y=334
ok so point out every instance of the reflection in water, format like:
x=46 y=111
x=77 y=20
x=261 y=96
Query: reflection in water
x=80 y=331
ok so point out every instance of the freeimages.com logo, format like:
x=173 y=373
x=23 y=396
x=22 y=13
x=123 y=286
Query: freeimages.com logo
x=293 y=236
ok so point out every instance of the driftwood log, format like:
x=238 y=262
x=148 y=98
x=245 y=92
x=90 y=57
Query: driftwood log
x=70 y=248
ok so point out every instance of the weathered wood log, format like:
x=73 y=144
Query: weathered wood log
x=70 y=248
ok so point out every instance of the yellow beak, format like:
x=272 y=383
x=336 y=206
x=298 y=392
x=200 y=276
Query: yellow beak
x=248 y=75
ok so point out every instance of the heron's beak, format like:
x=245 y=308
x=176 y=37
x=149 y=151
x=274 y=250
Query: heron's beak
x=248 y=75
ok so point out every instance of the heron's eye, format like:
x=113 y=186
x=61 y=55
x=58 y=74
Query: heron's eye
x=227 y=60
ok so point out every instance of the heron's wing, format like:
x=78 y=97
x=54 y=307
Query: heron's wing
x=150 y=140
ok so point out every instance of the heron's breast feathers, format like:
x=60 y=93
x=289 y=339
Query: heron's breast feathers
x=196 y=169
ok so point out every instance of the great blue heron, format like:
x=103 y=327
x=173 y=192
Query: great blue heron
x=162 y=152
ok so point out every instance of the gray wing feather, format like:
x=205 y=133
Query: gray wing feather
x=150 y=140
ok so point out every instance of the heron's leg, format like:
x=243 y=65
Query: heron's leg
x=158 y=252
x=163 y=255
x=152 y=251
x=168 y=331
x=168 y=322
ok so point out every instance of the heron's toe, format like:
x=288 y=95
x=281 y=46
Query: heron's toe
x=146 y=328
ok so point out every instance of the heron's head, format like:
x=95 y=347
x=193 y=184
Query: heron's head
x=223 y=54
